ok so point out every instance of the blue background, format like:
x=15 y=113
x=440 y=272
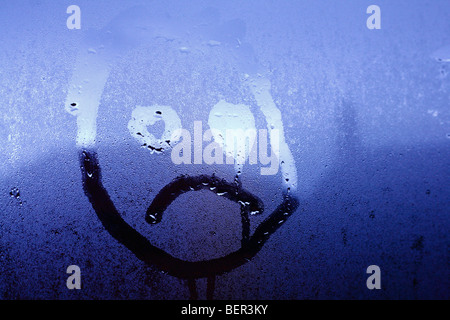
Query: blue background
x=366 y=116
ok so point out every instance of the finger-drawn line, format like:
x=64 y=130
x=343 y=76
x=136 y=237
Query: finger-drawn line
x=150 y=254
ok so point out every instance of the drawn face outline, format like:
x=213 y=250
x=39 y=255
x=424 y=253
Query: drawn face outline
x=84 y=104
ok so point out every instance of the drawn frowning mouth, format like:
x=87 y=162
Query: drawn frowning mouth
x=152 y=255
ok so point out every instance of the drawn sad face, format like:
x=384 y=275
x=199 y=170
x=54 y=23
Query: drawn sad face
x=181 y=118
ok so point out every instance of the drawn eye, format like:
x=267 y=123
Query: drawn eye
x=143 y=118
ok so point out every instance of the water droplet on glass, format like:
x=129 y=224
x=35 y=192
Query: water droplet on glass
x=14 y=193
x=151 y=219
x=73 y=106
